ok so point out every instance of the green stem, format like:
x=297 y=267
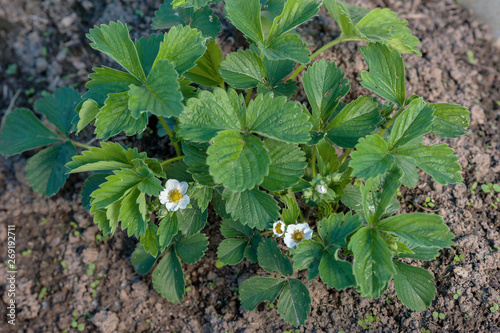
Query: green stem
x=170 y=135
x=247 y=99
x=344 y=156
x=79 y=144
x=174 y=159
x=266 y=232
x=391 y=121
x=300 y=211
x=313 y=162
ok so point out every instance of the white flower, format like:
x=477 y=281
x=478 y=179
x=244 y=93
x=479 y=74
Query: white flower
x=296 y=233
x=174 y=195
x=279 y=228
x=321 y=189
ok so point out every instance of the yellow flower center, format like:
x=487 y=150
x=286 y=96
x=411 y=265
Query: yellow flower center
x=278 y=228
x=175 y=196
x=298 y=236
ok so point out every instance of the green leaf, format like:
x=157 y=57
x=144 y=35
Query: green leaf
x=287 y=162
x=285 y=47
x=114 y=41
x=46 y=170
x=206 y=71
x=204 y=20
x=147 y=49
x=178 y=170
x=387 y=73
x=168 y=278
x=105 y=81
x=242 y=69
x=196 y=159
x=116 y=117
x=335 y=229
x=325 y=85
x=91 y=184
x=149 y=184
x=308 y=255
x=372 y=265
x=252 y=207
x=110 y=156
x=287 y=89
x=191 y=248
x=202 y=195
x=115 y=187
x=295 y=12
x=253 y=246
x=245 y=16
x=192 y=220
x=421 y=253
x=142 y=261
x=391 y=184
x=167 y=230
x=356 y=120
x=450 y=120
x=259 y=289
x=294 y=303
x=160 y=95
x=234 y=229
x=414 y=286
x=133 y=213
x=231 y=251
x=291 y=213
x=272 y=260
x=336 y=273
x=87 y=114
x=150 y=241
x=341 y=13
x=205 y=116
x=414 y=122
x=166 y=17
x=23 y=131
x=237 y=161
x=371 y=157
x=278 y=119
x=352 y=197
x=277 y=70
x=410 y=172
x=59 y=108
x=419 y=229
x=182 y=46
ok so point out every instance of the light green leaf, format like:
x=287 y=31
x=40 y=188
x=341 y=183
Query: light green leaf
x=87 y=114
x=237 y=161
x=390 y=186
x=420 y=229
x=371 y=157
x=114 y=41
x=242 y=69
x=356 y=120
x=287 y=162
x=167 y=230
x=259 y=289
x=272 y=260
x=335 y=229
x=59 y=108
x=231 y=251
x=23 y=131
x=191 y=248
x=133 y=213
x=160 y=95
x=205 y=116
x=149 y=184
x=192 y=220
x=252 y=207
x=168 y=278
x=182 y=46
x=245 y=16
x=285 y=47
x=308 y=255
x=341 y=14
x=325 y=85
x=105 y=81
x=294 y=303
x=278 y=119
x=335 y=273
x=196 y=159
x=295 y=12
x=450 y=120
x=414 y=286
x=142 y=261
x=149 y=240
x=386 y=77
x=46 y=171
x=410 y=172
x=372 y=265
x=202 y=195
x=189 y=3
x=206 y=71
x=115 y=187
x=147 y=49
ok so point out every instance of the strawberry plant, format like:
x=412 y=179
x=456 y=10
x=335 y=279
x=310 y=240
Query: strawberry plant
x=267 y=163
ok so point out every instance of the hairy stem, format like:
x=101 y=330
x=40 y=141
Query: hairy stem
x=170 y=135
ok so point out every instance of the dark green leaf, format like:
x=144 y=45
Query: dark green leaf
x=295 y=12
x=259 y=289
x=110 y=156
x=251 y=250
x=105 y=81
x=272 y=260
x=147 y=49
x=371 y=157
x=232 y=229
x=191 y=248
x=142 y=261
x=231 y=251
x=166 y=17
x=167 y=230
x=242 y=69
x=287 y=47
x=150 y=241
x=421 y=253
x=335 y=229
x=277 y=70
x=133 y=213
x=192 y=220
x=245 y=16
x=391 y=184
x=196 y=159
x=294 y=303
x=414 y=286
x=92 y=183
x=450 y=120
x=59 y=108
x=336 y=273
x=308 y=255
x=168 y=278
x=202 y=195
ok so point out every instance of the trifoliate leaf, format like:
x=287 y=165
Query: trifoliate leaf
x=133 y=213
x=356 y=120
x=160 y=95
x=192 y=220
x=450 y=120
x=242 y=69
x=272 y=260
x=295 y=12
x=46 y=170
x=259 y=289
x=237 y=161
x=87 y=114
x=414 y=122
x=91 y=184
x=168 y=278
x=287 y=162
x=105 y=81
x=420 y=229
x=294 y=303
x=321 y=79
x=335 y=273
x=149 y=240
x=386 y=77
x=191 y=248
x=414 y=286
x=142 y=260
x=116 y=117
x=182 y=46
x=59 y=108
x=23 y=131
x=114 y=41
x=252 y=207
x=285 y=47
x=245 y=16
x=167 y=230
x=206 y=71
x=335 y=229
x=372 y=264
x=231 y=251
x=371 y=157
x=147 y=49
x=308 y=255
x=278 y=119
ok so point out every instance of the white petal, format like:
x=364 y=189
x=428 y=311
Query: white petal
x=308 y=233
x=184 y=202
x=183 y=186
x=163 y=197
x=172 y=184
x=291 y=228
x=289 y=241
x=172 y=207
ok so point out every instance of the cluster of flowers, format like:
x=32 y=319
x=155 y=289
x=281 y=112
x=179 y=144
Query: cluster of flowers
x=174 y=197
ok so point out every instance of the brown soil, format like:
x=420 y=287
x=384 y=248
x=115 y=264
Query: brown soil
x=46 y=41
